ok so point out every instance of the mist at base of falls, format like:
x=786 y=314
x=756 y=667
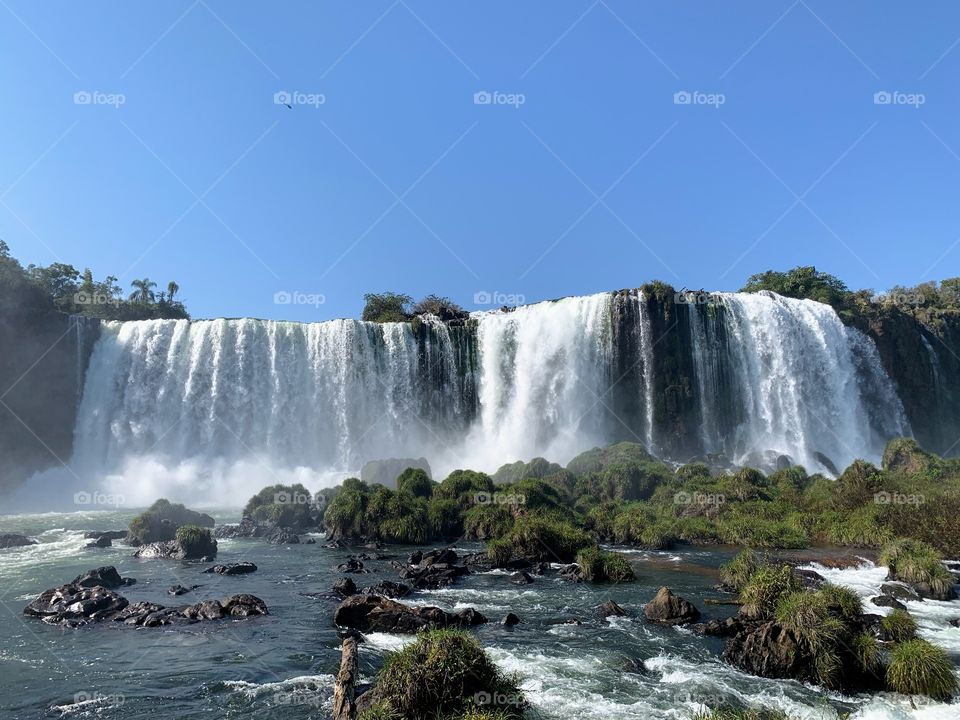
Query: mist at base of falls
x=208 y=412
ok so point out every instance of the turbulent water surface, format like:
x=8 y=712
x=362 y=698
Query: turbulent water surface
x=282 y=665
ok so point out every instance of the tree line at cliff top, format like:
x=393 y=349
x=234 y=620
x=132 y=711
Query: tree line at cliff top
x=63 y=288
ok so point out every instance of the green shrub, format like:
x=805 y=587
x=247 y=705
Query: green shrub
x=543 y=539
x=445 y=519
x=905 y=456
x=738 y=571
x=866 y=650
x=913 y=561
x=486 y=521
x=440 y=674
x=196 y=541
x=416 y=482
x=500 y=551
x=767 y=585
x=463 y=485
x=603 y=566
x=760 y=533
x=289 y=506
x=861 y=528
x=900 y=625
x=841 y=601
x=161 y=520
x=919 y=668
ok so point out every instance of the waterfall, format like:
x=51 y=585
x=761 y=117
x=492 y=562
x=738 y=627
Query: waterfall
x=802 y=383
x=194 y=402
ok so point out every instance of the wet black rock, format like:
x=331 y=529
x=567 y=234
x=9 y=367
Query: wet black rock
x=112 y=534
x=344 y=587
x=388 y=588
x=240 y=568
x=611 y=609
x=180 y=589
x=101 y=542
x=373 y=613
x=888 y=601
x=106 y=576
x=510 y=619
x=521 y=578
x=11 y=540
x=351 y=565
x=669 y=609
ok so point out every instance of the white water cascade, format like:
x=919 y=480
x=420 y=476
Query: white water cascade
x=801 y=383
x=196 y=405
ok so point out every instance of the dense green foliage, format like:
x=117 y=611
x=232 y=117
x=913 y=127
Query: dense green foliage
x=197 y=542
x=603 y=566
x=445 y=673
x=620 y=494
x=397 y=307
x=160 y=521
x=289 y=506
x=62 y=287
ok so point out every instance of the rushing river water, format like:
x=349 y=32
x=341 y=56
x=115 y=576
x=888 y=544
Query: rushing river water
x=282 y=665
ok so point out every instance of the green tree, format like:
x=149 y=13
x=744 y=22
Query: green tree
x=386 y=307
x=804 y=283
x=143 y=291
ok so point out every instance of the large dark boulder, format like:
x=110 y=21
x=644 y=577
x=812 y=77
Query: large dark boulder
x=11 y=540
x=669 y=609
x=373 y=613
x=73 y=605
x=176 y=550
x=344 y=587
x=106 y=576
x=769 y=651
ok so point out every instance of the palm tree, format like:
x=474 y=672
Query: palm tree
x=143 y=293
x=172 y=289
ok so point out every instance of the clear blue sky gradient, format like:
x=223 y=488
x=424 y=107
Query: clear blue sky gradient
x=400 y=181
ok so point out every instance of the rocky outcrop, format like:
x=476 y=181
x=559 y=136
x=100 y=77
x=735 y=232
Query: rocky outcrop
x=240 y=568
x=388 y=588
x=73 y=605
x=176 y=551
x=249 y=528
x=611 y=609
x=344 y=587
x=11 y=540
x=106 y=576
x=436 y=569
x=669 y=609
x=373 y=613
x=110 y=534
x=768 y=651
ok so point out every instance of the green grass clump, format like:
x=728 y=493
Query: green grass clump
x=736 y=572
x=440 y=675
x=866 y=649
x=919 y=668
x=808 y=616
x=900 y=626
x=600 y=566
x=500 y=551
x=766 y=586
x=546 y=539
x=842 y=601
x=913 y=561
x=742 y=714
x=196 y=541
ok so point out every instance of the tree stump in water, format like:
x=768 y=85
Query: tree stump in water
x=344 y=690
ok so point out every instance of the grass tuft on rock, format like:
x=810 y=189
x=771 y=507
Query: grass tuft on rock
x=603 y=566
x=445 y=673
x=900 y=626
x=919 y=668
x=738 y=571
x=766 y=586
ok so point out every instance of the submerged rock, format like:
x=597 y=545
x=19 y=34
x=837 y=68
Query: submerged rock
x=611 y=609
x=11 y=540
x=510 y=619
x=240 y=568
x=101 y=542
x=180 y=589
x=888 y=601
x=373 y=613
x=344 y=587
x=669 y=609
x=111 y=534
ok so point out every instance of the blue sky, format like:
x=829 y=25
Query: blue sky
x=583 y=174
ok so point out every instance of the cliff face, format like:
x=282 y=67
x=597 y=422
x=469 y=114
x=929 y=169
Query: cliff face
x=924 y=363
x=42 y=365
